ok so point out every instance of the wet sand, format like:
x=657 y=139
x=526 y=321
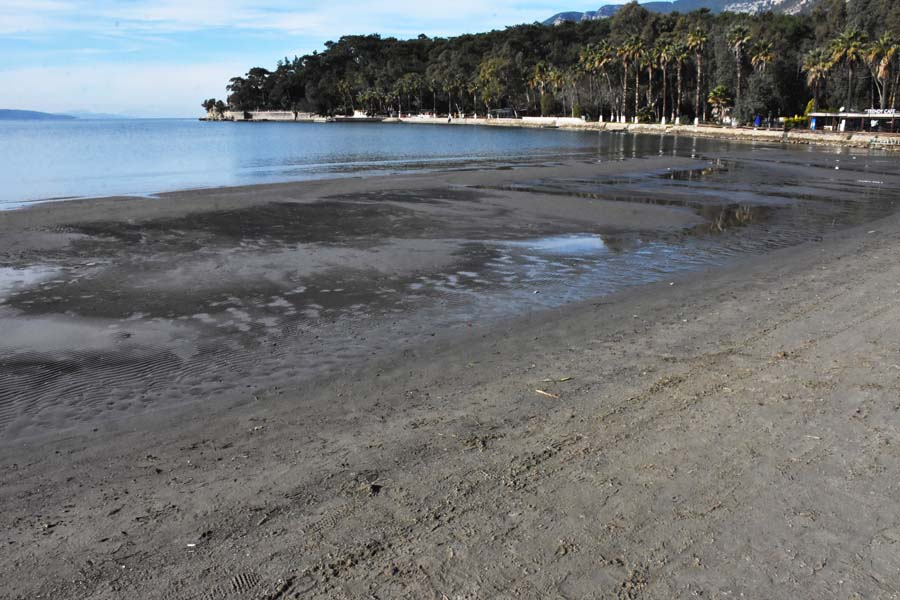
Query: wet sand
x=375 y=435
x=214 y=294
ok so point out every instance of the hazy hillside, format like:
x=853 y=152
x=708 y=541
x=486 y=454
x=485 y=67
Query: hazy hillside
x=95 y=116
x=30 y=115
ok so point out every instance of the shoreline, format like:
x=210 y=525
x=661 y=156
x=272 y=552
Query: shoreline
x=787 y=139
x=793 y=136
x=879 y=141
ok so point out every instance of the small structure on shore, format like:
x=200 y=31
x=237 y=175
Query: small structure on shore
x=503 y=113
x=875 y=120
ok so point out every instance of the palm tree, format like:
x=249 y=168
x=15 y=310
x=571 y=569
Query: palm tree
x=634 y=49
x=624 y=53
x=718 y=98
x=570 y=81
x=472 y=88
x=454 y=82
x=849 y=49
x=603 y=56
x=594 y=59
x=433 y=85
x=738 y=37
x=762 y=56
x=557 y=79
x=665 y=52
x=681 y=54
x=696 y=41
x=492 y=78
x=894 y=88
x=345 y=88
x=816 y=65
x=539 y=79
x=649 y=60
x=880 y=56
x=585 y=65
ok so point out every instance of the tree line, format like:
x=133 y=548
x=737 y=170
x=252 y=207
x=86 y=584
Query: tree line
x=636 y=64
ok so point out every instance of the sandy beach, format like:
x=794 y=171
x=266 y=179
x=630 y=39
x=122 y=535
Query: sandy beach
x=414 y=387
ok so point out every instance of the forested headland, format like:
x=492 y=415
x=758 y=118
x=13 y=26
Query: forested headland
x=635 y=64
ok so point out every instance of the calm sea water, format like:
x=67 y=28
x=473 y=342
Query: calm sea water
x=54 y=160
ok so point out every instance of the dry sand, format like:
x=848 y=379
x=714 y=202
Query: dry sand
x=723 y=434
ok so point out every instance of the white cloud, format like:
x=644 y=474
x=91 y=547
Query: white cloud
x=309 y=17
x=25 y=16
x=159 y=90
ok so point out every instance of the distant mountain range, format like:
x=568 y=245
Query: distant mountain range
x=86 y=114
x=31 y=115
x=7 y=114
x=685 y=6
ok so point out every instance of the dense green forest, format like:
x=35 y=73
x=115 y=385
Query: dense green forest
x=636 y=63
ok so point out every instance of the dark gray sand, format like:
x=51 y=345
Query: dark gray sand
x=148 y=303
x=330 y=389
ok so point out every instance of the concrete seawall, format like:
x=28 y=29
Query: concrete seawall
x=855 y=139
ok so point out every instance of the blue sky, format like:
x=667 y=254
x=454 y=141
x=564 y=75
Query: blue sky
x=160 y=58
